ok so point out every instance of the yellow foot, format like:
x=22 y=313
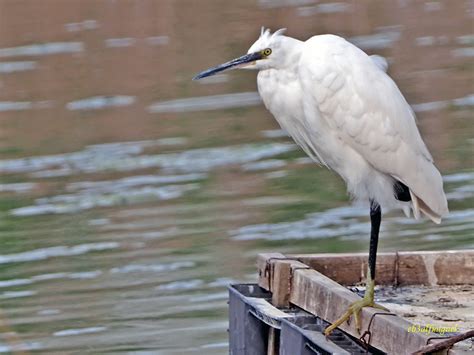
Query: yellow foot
x=355 y=308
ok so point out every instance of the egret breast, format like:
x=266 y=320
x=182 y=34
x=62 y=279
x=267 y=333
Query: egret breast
x=282 y=95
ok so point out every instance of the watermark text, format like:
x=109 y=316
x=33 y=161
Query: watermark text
x=432 y=328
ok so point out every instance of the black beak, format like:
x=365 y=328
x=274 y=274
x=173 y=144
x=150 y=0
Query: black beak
x=229 y=65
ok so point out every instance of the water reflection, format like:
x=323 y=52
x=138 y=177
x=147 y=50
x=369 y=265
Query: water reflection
x=42 y=49
x=217 y=102
x=101 y=102
x=130 y=196
x=46 y=253
x=81 y=26
x=11 y=67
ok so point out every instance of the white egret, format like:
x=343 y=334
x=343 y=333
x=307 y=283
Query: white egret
x=346 y=113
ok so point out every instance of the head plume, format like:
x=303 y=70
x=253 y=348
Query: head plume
x=266 y=32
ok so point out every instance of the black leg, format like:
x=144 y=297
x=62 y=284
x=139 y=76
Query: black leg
x=368 y=300
x=375 y=219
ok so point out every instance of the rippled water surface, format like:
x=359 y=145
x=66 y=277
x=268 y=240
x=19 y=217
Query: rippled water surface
x=131 y=196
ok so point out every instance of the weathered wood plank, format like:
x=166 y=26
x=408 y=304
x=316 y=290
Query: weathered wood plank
x=263 y=267
x=325 y=298
x=275 y=274
x=281 y=283
x=350 y=269
x=273 y=342
x=428 y=268
x=452 y=267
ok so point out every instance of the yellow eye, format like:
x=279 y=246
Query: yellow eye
x=267 y=52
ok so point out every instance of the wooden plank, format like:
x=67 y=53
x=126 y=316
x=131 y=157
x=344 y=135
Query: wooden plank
x=350 y=269
x=281 y=283
x=263 y=267
x=273 y=342
x=275 y=274
x=325 y=298
x=452 y=267
x=402 y=268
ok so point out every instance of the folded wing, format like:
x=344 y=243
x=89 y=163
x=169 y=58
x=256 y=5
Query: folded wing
x=359 y=101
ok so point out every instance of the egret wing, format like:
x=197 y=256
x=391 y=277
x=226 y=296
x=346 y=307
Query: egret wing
x=360 y=103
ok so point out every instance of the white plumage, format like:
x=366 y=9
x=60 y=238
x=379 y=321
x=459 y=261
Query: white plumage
x=345 y=112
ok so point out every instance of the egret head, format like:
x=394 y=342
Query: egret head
x=269 y=51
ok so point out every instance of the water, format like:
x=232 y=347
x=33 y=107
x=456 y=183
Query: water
x=131 y=196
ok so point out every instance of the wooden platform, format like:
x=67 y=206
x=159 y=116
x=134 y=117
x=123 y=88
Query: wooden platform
x=315 y=283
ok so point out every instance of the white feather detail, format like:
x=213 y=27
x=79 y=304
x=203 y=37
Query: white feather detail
x=374 y=127
x=415 y=206
x=279 y=32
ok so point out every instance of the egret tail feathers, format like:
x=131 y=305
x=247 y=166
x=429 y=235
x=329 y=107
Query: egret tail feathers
x=418 y=205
